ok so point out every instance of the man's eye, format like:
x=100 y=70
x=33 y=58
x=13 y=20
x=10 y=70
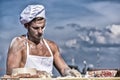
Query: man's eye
x=42 y=27
x=35 y=27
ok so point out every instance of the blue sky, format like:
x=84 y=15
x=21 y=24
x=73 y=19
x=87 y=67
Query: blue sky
x=84 y=29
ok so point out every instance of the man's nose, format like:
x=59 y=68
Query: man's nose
x=40 y=30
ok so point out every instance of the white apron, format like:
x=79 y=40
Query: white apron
x=40 y=62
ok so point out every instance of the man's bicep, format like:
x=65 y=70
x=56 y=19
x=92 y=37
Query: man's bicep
x=13 y=59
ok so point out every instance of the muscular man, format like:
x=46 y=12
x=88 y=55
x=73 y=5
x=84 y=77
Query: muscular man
x=32 y=50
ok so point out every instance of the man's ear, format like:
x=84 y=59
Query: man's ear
x=26 y=25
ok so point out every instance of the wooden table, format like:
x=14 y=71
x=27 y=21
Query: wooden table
x=63 y=78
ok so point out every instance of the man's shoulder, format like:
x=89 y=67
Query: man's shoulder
x=52 y=44
x=17 y=40
x=50 y=41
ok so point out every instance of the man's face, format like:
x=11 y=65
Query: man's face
x=36 y=29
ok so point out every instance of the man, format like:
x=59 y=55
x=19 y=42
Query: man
x=32 y=50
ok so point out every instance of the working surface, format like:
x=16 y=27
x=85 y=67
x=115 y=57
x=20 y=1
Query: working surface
x=63 y=78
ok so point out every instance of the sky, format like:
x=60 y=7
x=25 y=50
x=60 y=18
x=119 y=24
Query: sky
x=85 y=30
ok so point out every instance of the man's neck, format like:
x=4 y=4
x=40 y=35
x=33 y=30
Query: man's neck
x=36 y=41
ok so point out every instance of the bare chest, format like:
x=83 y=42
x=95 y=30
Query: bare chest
x=39 y=50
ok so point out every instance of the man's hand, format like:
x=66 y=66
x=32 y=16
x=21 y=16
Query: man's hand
x=72 y=73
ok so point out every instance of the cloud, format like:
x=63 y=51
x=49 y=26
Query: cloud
x=108 y=11
x=103 y=38
x=99 y=14
x=115 y=29
x=89 y=36
x=72 y=43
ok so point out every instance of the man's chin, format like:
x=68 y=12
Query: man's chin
x=39 y=38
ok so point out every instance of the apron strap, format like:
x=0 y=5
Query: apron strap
x=27 y=45
x=48 y=47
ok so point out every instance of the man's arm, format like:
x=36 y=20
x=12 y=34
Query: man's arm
x=14 y=55
x=59 y=63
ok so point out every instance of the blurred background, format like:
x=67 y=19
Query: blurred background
x=87 y=31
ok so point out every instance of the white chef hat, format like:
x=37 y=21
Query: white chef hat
x=31 y=12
